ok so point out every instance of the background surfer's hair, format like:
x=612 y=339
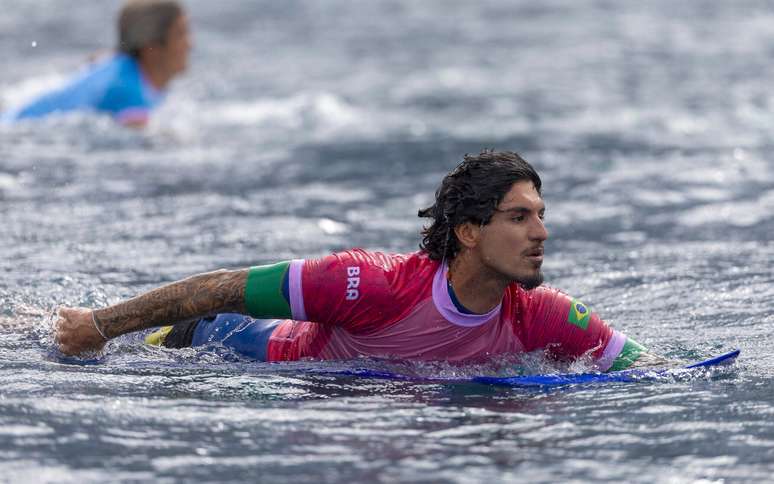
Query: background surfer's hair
x=471 y=193
x=145 y=22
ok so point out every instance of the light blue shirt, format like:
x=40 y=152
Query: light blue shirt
x=115 y=86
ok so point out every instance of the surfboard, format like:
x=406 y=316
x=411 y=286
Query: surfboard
x=552 y=380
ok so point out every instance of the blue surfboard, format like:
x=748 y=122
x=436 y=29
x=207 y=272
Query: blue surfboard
x=550 y=380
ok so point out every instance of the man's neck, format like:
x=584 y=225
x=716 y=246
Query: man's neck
x=475 y=286
x=154 y=73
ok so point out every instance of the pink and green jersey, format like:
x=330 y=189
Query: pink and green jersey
x=358 y=303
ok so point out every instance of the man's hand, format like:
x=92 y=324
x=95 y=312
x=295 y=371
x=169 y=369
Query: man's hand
x=75 y=333
x=649 y=360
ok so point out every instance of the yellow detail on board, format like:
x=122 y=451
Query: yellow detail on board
x=157 y=337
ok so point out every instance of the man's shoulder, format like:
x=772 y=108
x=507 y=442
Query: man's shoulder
x=385 y=260
x=122 y=72
x=535 y=296
x=125 y=86
x=104 y=71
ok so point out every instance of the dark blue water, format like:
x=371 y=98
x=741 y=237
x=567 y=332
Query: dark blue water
x=307 y=127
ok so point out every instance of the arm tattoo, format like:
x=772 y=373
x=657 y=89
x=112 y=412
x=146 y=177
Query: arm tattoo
x=192 y=298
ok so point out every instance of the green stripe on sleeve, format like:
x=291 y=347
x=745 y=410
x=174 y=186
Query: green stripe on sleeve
x=628 y=355
x=263 y=291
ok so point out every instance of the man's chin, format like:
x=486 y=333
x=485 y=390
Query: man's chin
x=531 y=282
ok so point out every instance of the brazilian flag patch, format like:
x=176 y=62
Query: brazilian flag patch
x=579 y=314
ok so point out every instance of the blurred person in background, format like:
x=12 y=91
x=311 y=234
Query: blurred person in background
x=153 y=47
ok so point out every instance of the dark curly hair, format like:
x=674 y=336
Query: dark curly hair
x=471 y=193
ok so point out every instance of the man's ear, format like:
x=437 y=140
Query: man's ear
x=468 y=234
x=147 y=51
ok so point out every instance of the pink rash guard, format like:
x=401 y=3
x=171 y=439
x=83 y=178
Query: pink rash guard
x=359 y=303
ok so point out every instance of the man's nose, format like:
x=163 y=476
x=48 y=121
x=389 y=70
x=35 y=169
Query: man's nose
x=538 y=230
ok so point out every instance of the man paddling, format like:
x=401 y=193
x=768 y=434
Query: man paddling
x=153 y=47
x=472 y=292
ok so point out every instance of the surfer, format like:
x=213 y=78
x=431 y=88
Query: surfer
x=153 y=47
x=473 y=291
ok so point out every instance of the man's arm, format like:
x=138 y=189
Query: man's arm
x=79 y=329
x=571 y=329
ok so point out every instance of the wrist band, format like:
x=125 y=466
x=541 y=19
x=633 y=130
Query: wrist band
x=96 y=326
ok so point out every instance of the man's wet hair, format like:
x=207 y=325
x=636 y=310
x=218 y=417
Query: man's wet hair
x=471 y=193
x=145 y=22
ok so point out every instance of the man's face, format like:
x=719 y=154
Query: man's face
x=175 y=50
x=511 y=244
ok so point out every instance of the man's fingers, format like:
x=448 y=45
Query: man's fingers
x=74 y=331
x=66 y=313
x=59 y=325
x=62 y=317
x=64 y=349
x=60 y=336
x=67 y=347
x=63 y=333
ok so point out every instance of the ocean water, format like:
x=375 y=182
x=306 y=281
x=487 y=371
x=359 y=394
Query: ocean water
x=307 y=127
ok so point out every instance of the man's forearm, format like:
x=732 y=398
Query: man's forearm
x=192 y=298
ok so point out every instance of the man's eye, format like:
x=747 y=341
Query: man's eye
x=518 y=218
